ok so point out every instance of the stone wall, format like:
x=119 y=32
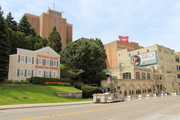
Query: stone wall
x=70 y=94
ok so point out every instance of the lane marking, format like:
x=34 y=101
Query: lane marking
x=64 y=114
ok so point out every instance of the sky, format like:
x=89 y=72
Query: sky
x=146 y=22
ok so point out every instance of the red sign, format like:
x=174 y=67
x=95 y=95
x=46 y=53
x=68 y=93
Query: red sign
x=108 y=80
x=124 y=39
x=46 y=67
x=144 y=56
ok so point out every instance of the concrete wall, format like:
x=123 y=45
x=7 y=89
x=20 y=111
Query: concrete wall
x=70 y=94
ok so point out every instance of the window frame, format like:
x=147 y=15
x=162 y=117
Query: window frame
x=28 y=60
x=21 y=59
x=55 y=74
x=39 y=61
x=127 y=75
x=39 y=70
x=23 y=72
x=27 y=73
x=47 y=62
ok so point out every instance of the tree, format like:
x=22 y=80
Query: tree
x=25 y=26
x=55 y=40
x=4 y=47
x=10 y=22
x=84 y=55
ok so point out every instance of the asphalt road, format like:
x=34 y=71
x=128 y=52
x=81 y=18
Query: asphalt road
x=165 y=108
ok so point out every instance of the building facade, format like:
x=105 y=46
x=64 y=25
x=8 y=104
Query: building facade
x=44 y=24
x=178 y=66
x=147 y=68
x=44 y=62
x=113 y=47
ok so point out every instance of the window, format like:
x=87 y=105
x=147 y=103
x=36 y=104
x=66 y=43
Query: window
x=127 y=75
x=21 y=73
x=148 y=76
x=54 y=63
x=178 y=67
x=54 y=21
x=47 y=62
x=54 y=74
x=178 y=75
x=22 y=59
x=177 y=59
x=29 y=60
x=147 y=50
x=39 y=72
x=39 y=61
x=46 y=74
x=138 y=52
x=29 y=73
x=143 y=76
x=137 y=75
x=159 y=49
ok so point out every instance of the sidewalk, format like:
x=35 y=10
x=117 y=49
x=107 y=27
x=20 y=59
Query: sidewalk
x=4 y=107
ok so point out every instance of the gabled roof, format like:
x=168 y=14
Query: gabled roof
x=45 y=48
x=39 y=50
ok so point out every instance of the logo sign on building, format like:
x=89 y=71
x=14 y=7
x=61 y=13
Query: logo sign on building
x=108 y=80
x=144 y=59
x=124 y=39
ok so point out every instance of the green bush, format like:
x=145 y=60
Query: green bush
x=78 y=84
x=21 y=82
x=8 y=81
x=42 y=80
x=88 y=91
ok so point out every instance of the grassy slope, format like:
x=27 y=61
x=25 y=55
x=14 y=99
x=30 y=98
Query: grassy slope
x=34 y=94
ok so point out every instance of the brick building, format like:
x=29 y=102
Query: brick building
x=113 y=47
x=44 y=24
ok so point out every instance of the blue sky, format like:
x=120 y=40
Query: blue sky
x=146 y=22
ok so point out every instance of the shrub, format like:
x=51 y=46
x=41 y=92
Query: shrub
x=78 y=84
x=42 y=80
x=88 y=91
x=8 y=81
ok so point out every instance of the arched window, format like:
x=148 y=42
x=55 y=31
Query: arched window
x=148 y=76
x=127 y=75
x=143 y=76
x=137 y=75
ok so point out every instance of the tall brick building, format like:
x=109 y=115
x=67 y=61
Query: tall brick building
x=113 y=47
x=44 y=24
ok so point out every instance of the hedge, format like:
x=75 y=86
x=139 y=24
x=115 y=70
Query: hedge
x=42 y=80
x=78 y=84
x=88 y=91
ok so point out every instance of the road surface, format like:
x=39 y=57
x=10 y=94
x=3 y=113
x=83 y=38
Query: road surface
x=162 y=108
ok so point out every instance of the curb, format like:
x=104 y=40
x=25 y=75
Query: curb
x=5 y=107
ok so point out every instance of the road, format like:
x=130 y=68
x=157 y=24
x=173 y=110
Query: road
x=165 y=108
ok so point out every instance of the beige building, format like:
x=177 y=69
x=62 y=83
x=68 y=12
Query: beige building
x=44 y=24
x=147 y=68
x=44 y=62
x=178 y=66
x=113 y=47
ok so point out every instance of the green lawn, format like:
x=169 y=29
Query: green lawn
x=35 y=94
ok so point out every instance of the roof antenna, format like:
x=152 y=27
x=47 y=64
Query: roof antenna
x=54 y=6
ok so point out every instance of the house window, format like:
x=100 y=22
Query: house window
x=54 y=63
x=47 y=74
x=22 y=59
x=47 y=62
x=143 y=76
x=137 y=75
x=177 y=59
x=29 y=73
x=54 y=74
x=178 y=75
x=29 y=60
x=178 y=67
x=39 y=73
x=148 y=76
x=39 y=61
x=147 y=50
x=21 y=73
x=127 y=75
